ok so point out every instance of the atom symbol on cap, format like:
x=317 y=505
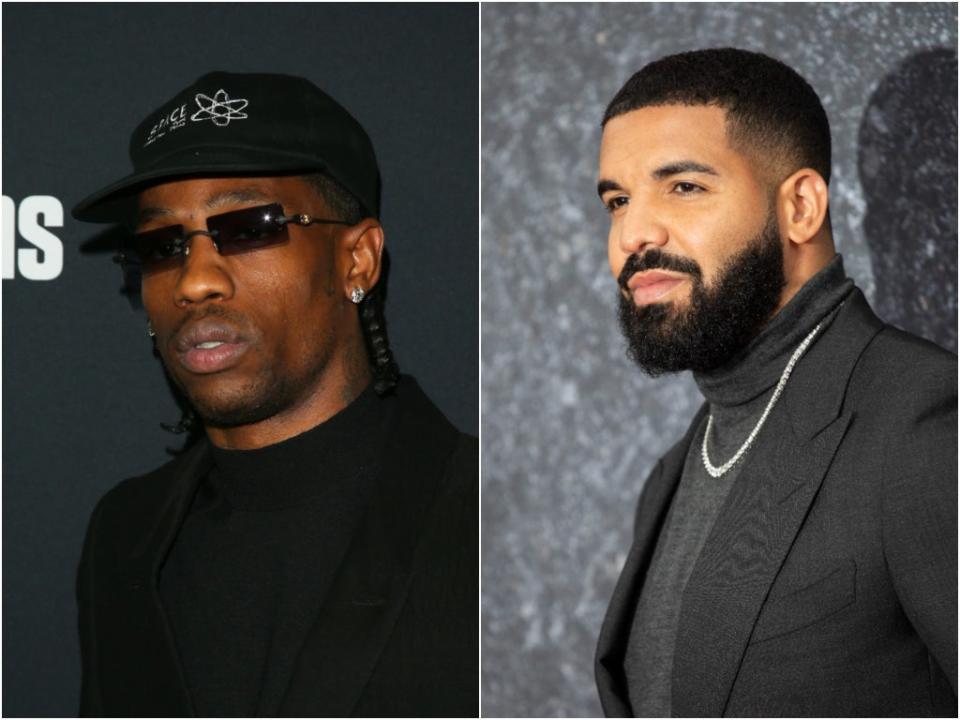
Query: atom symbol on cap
x=219 y=108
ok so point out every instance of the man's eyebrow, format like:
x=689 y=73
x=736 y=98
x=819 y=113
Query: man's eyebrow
x=681 y=166
x=145 y=215
x=664 y=171
x=251 y=193
x=227 y=197
x=607 y=185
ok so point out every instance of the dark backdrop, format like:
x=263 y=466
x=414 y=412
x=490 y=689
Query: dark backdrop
x=83 y=395
x=570 y=427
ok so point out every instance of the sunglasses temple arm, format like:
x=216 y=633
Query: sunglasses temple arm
x=310 y=220
x=330 y=222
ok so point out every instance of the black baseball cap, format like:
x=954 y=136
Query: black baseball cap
x=240 y=123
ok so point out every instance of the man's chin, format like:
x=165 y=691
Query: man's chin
x=657 y=336
x=228 y=415
x=667 y=315
x=230 y=402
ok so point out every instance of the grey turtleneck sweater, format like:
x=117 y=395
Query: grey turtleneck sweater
x=737 y=394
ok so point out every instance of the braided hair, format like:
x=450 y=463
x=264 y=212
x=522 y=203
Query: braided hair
x=373 y=322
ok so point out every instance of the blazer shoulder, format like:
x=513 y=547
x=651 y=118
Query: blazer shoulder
x=132 y=504
x=146 y=490
x=903 y=372
x=903 y=394
x=464 y=465
x=898 y=350
x=456 y=499
x=432 y=465
x=449 y=538
x=422 y=428
x=115 y=522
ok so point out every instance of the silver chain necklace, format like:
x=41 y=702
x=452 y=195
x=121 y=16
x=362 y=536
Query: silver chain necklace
x=719 y=471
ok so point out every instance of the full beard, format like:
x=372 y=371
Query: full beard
x=719 y=321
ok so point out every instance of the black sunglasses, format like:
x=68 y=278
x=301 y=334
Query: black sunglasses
x=233 y=233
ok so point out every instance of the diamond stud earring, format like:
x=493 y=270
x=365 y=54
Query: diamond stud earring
x=357 y=295
x=150 y=330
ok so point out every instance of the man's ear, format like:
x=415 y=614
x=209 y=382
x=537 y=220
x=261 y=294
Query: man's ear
x=361 y=253
x=803 y=202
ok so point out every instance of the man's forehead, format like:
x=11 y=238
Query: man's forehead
x=187 y=195
x=204 y=189
x=651 y=136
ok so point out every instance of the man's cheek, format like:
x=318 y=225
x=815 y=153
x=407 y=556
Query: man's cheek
x=616 y=260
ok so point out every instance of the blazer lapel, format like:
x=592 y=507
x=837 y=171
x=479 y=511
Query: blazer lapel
x=363 y=606
x=763 y=514
x=615 y=632
x=148 y=671
x=739 y=561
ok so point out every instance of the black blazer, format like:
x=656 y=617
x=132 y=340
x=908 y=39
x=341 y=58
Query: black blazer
x=828 y=585
x=397 y=635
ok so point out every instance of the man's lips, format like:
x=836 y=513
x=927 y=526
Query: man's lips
x=209 y=346
x=650 y=286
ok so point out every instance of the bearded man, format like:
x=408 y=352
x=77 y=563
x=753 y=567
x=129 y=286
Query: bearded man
x=314 y=553
x=795 y=553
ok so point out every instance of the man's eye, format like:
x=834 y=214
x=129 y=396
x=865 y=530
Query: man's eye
x=251 y=237
x=167 y=249
x=615 y=203
x=686 y=188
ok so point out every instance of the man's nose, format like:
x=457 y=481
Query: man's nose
x=640 y=230
x=204 y=275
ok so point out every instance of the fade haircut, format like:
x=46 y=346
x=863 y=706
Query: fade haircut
x=340 y=201
x=773 y=115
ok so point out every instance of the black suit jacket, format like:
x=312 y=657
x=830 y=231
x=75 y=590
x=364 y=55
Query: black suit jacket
x=397 y=635
x=828 y=584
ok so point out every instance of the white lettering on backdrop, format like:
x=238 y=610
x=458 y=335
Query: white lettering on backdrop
x=43 y=261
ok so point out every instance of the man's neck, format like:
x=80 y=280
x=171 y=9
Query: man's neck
x=759 y=365
x=801 y=264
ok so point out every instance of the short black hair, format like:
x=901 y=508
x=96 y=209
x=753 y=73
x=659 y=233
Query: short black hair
x=340 y=201
x=772 y=112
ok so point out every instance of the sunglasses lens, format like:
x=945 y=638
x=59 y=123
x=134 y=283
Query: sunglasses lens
x=159 y=249
x=234 y=232
x=241 y=231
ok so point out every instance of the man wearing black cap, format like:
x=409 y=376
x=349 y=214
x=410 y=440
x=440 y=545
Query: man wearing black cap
x=314 y=552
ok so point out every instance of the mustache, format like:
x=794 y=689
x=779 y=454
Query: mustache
x=236 y=319
x=656 y=259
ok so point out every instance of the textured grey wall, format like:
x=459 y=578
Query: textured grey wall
x=569 y=427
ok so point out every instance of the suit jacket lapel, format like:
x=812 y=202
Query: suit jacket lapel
x=148 y=673
x=362 y=607
x=763 y=514
x=740 y=559
x=652 y=510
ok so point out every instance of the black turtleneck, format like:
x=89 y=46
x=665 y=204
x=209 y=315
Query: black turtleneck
x=257 y=552
x=737 y=394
